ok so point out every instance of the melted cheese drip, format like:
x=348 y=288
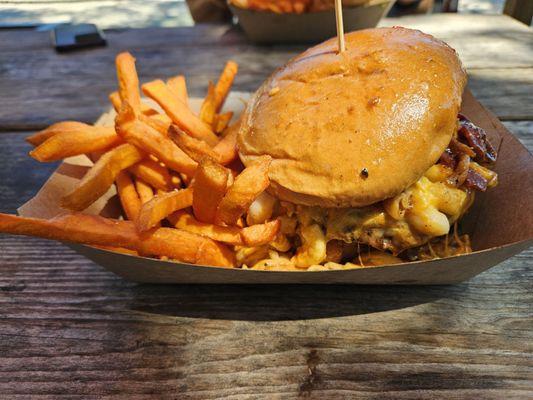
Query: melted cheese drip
x=423 y=211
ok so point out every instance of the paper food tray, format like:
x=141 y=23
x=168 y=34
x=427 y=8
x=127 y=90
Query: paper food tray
x=270 y=27
x=500 y=224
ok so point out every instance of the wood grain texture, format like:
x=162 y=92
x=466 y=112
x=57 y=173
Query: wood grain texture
x=69 y=329
x=75 y=86
x=506 y=92
x=523 y=130
x=482 y=41
x=54 y=87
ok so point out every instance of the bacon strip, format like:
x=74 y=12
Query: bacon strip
x=448 y=159
x=475 y=181
x=458 y=155
x=477 y=140
x=457 y=147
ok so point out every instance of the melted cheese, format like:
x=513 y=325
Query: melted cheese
x=434 y=206
x=423 y=211
x=489 y=175
x=313 y=248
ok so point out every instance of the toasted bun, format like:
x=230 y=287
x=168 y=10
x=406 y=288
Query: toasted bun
x=352 y=129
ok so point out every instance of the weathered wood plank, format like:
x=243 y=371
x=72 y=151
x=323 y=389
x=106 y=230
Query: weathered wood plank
x=43 y=87
x=506 y=92
x=20 y=176
x=76 y=86
x=482 y=41
x=68 y=327
x=202 y=34
x=523 y=130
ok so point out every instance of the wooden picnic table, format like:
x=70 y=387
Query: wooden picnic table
x=68 y=327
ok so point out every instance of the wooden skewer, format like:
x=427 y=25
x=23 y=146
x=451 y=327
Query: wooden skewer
x=340 y=25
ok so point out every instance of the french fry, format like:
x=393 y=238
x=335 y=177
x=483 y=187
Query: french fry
x=101 y=176
x=160 y=122
x=136 y=155
x=70 y=143
x=187 y=247
x=221 y=121
x=161 y=206
x=149 y=111
x=131 y=203
x=241 y=3
x=251 y=182
x=226 y=148
x=116 y=102
x=179 y=112
x=114 y=99
x=128 y=81
x=275 y=8
x=208 y=108
x=96 y=230
x=153 y=173
x=145 y=191
x=178 y=86
x=255 y=235
x=194 y=148
x=76 y=228
x=224 y=152
x=227 y=234
x=210 y=183
x=40 y=137
x=260 y=234
x=162 y=118
x=224 y=84
x=147 y=138
x=286 y=6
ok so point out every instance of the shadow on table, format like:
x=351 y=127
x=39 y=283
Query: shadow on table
x=279 y=302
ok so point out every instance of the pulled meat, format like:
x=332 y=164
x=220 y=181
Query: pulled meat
x=457 y=147
x=476 y=138
x=463 y=168
x=475 y=181
x=471 y=144
x=448 y=159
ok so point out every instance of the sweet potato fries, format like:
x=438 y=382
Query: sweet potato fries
x=182 y=189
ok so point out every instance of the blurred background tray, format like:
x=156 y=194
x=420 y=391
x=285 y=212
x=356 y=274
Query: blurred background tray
x=269 y=27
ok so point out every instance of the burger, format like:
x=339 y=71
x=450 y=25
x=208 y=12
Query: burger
x=371 y=161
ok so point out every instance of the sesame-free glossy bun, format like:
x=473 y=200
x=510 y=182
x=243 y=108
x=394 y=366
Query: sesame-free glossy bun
x=352 y=129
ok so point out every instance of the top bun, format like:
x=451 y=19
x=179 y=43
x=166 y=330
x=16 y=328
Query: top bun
x=352 y=129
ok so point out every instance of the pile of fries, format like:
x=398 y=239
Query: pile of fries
x=183 y=190
x=276 y=6
x=292 y=6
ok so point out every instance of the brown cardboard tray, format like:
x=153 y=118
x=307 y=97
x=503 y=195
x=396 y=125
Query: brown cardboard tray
x=269 y=27
x=500 y=224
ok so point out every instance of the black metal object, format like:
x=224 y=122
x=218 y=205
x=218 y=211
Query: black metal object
x=73 y=37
